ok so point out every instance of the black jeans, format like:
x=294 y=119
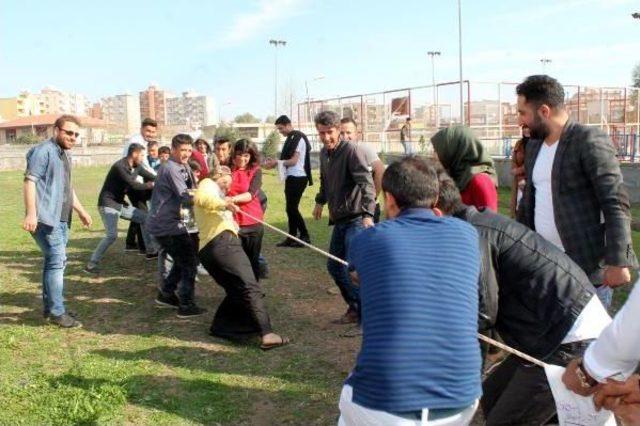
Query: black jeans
x=243 y=310
x=182 y=275
x=138 y=200
x=251 y=238
x=517 y=393
x=293 y=189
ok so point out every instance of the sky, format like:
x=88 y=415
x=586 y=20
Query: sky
x=221 y=48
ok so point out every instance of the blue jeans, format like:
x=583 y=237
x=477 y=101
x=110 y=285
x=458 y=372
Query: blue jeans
x=110 y=218
x=53 y=243
x=339 y=247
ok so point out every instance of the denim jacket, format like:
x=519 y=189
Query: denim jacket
x=45 y=168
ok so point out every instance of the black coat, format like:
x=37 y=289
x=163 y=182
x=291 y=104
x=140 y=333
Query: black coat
x=541 y=291
x=586 y=183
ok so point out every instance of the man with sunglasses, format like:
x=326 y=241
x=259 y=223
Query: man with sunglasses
x=49 y=200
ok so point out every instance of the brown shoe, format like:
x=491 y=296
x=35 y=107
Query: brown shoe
x=350 y=317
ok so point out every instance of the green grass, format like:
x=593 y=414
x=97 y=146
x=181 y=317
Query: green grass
x=135 y=364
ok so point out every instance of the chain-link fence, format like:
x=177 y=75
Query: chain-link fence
x=489 y=108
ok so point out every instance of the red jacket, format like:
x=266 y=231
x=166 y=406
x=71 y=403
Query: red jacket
x=241 y=183
x=481 y=192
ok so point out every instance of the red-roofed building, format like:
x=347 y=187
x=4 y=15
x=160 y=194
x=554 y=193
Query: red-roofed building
x=93 y=130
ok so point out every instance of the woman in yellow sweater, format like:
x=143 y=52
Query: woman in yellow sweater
x=242 y=313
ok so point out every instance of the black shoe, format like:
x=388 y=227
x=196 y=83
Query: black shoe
x=65 y=321
x=188 y=311
x=72 y=314
x=91 y=269
x=167 y=301
x=131 y=248
x=295 y=244
x=263 y=271
x=286 y=243
x=151 y=256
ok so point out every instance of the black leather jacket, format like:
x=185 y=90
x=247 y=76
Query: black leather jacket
x=541 y=291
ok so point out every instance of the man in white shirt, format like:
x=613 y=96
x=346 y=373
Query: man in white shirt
x=138 y=199
x=349 y=132
x=574 y=194
x=610 y=361
x=296 y=161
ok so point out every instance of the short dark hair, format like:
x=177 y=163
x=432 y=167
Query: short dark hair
x=66 y=118
x=449 y=199
x=181 y=139
x=134 y=147
x=220 y=140
x=149 y=122
x=245 y=146
x=346 y=120
x=283 y=120
x=151 y=144
x=408 y=119
x=412 y=181
x=195 y=166
x=327 y=118
x=541 y=90
x=164 y=150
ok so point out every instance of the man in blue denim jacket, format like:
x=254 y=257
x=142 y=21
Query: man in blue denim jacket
x=49 y=199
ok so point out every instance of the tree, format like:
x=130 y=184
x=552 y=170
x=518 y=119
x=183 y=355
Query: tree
x=635 y=76
x=271 y=145
x=270 y=119
x=247 y=117
x=423 y=144
x=28 y=139
x=227 y=132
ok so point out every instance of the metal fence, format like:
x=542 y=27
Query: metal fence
x=489 y=108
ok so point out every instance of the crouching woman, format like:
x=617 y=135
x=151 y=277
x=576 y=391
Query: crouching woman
x=242 y=313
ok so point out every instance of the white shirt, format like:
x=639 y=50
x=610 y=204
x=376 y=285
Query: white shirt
x=617 y=350
x=590 y=323
x=544 y=218
x=297 y=170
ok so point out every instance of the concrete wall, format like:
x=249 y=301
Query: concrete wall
x=13 y=158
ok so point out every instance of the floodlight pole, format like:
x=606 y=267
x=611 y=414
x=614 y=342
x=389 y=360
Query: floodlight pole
x=433 y=54
x=275 y=44
x=460 y=60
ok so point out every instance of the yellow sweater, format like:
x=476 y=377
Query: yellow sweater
x=209 y=209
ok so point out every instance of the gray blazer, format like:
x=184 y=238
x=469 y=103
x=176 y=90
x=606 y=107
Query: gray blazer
x=585 y=181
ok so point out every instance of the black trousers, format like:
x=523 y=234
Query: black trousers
x=251 y=238
x=517 y=393
x=138 y=200
x=243 y=310
x=182 y=276
x=293 y=189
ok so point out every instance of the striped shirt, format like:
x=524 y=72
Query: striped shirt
x=419 y=298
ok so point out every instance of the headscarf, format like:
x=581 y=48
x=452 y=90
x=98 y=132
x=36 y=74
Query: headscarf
x=461 y=153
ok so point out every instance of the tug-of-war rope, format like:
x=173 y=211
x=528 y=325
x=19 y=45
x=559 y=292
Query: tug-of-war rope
x=345 y=263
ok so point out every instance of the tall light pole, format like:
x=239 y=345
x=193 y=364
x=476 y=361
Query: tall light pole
x=222 y=105
x=545 y=62
x=460 y=60
x=306 y=88
x=636 y=15
x=433 y=54
x=276 y=43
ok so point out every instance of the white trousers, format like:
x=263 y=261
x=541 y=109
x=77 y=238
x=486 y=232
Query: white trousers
x=352 y=414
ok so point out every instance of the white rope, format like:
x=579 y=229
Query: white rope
x=280 y=231
x=337 y=259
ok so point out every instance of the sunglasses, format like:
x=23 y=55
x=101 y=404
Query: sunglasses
x=70 y=133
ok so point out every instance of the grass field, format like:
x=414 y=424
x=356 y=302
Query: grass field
x=132 y=363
